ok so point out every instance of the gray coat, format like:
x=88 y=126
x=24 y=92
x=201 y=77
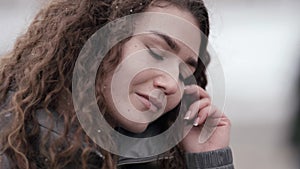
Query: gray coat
x=218 y=159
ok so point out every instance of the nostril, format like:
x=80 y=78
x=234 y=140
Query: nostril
x=157 y=83
x=167 y=87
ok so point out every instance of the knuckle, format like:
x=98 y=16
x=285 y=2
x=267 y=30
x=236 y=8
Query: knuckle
x=227 y=121
x=207 y=101
x=195 y=105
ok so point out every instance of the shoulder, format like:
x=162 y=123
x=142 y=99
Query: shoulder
x=95 y=157
x=6 y=116
x=5 y=119
x=4 y=163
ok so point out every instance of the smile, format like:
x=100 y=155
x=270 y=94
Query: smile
x=150 y=102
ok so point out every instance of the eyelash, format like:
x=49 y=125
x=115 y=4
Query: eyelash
x=159 y=57
x=155 y=55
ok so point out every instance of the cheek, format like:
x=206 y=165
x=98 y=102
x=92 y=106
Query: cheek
x=104 y=88
x=130 y=47
x=173 y=101
x=145 y=76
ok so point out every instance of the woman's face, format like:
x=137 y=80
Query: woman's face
x=158 y=64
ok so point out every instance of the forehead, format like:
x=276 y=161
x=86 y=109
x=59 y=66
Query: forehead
x=178 y=24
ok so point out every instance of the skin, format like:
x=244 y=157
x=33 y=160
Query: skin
x=170 y=84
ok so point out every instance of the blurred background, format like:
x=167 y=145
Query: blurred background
x=257 y=42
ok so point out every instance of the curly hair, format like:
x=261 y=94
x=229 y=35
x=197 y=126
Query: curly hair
x=38 y=71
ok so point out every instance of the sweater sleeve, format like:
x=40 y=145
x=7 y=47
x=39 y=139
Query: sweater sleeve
x=217 y=159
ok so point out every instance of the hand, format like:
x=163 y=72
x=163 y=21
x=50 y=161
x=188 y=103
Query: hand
x=211 y=128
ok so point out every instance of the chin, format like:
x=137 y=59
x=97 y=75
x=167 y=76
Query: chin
x=136 y=127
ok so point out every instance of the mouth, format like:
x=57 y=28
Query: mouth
x=149 y=102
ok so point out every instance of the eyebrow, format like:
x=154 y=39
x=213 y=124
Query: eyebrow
x=174 y=46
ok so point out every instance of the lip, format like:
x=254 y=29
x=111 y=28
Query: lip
x=156 y=102
x=148 y=101
x=144 y=99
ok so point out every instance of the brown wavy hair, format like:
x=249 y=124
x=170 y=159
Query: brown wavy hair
x=37 y=74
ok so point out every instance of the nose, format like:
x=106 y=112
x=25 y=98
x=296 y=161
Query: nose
x=166 y=83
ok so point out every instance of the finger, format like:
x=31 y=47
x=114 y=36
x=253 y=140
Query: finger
x=195 y=107
x=210 y=115
x=204 y=114
x=224 y=121
x=196 y=91
x=207 y=130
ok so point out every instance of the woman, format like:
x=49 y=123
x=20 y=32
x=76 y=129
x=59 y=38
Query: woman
x=39 y=125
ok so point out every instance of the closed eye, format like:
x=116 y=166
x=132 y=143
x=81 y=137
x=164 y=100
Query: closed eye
x=155 y=55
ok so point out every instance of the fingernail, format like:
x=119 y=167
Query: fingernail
x=187 y=115
x=196 y=122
